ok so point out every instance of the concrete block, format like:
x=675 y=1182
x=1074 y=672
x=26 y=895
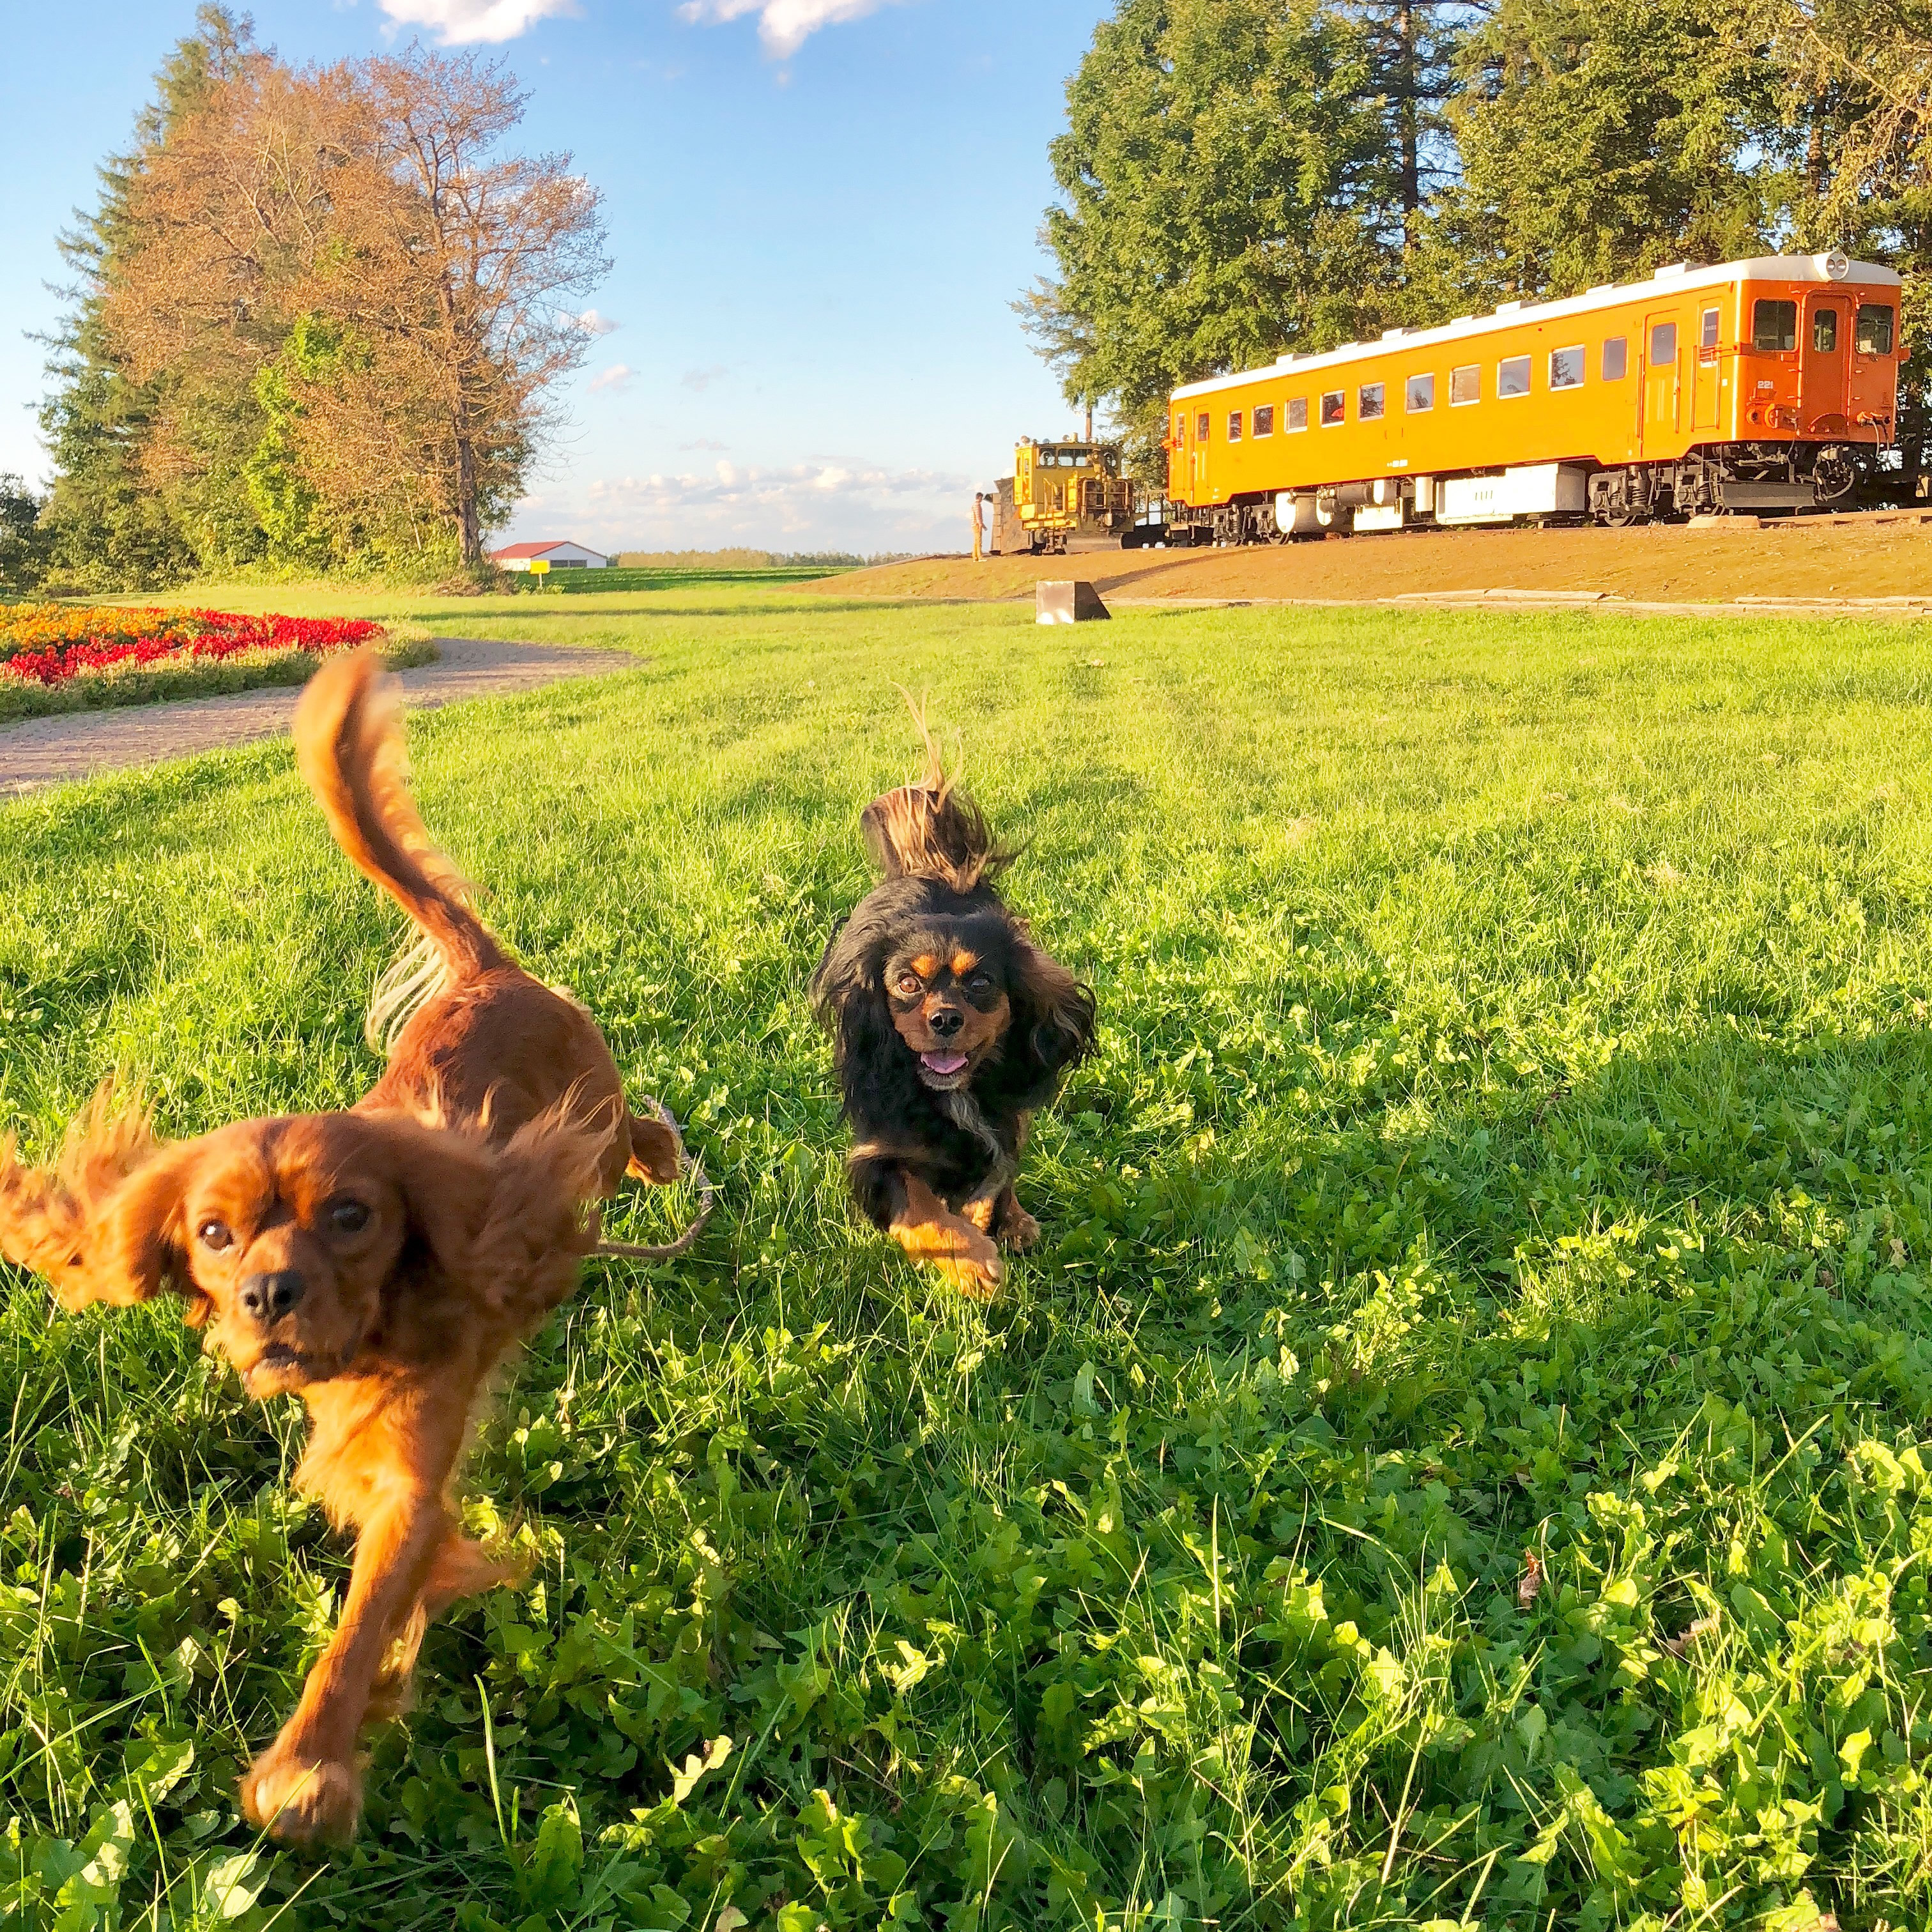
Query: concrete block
x=1067 y=603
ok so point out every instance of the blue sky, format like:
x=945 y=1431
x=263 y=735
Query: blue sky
x=819 y=210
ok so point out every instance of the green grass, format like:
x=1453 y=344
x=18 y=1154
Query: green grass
x=1512 y=1138
x=165 y=682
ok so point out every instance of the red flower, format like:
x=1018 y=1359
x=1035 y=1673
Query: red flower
x=50 y=645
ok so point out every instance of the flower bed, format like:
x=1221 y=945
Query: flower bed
x=49 y=644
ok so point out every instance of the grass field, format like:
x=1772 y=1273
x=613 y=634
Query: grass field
x=1455 y=1460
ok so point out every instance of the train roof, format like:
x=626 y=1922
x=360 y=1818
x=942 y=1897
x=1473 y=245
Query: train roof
x=1673 y=281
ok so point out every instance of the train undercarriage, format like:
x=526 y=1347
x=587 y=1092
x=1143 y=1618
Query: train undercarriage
x=1752 y=478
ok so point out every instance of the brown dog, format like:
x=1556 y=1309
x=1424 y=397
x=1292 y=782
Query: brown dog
x=380 y=1263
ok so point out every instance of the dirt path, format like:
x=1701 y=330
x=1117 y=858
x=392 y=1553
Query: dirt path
x=44 y=751
x=1836 y=560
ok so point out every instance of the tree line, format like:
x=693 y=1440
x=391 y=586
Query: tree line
x=317 y=316
x=1239 y=179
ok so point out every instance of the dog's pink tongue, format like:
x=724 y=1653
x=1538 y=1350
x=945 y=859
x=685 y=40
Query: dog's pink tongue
x=943 y=1063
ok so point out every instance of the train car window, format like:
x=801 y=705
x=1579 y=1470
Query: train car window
x=1420 y=394
x=1234 y=425
x=1201 y=423
x=1334 y=407
x=1825 y=330
x=1874 y=330
x=1513 y=376
x=1465 y=385
x=1774 y=325
x=1663 y=345
x=1707 y=329
x=1566 y=367
x=1298 y=412
x=1616 y=358
x=1370 y=401
x=1264 y=419
x=1180 y=430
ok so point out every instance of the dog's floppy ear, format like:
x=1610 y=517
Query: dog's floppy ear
x=847 y=996
x=444 y=1175
x=41 y=1222
x=507 y=1223
x=135 y=1243
x=46 y=1212
x=1054 y=1014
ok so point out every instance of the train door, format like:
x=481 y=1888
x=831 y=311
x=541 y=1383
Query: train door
x=1663 y=386
x=1824 y=363
x=1706 y=371
x=1197 y=476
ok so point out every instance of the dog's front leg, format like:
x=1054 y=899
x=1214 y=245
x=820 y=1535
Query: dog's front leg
x=306 y=1785
x=1012 y=1226
x=929 y=1230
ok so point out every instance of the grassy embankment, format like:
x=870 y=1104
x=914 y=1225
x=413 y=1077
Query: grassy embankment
x=1456 y=1457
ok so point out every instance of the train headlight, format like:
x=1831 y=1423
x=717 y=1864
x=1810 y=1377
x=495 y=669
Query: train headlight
x=1838 y=265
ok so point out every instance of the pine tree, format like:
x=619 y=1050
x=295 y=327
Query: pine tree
x=107 y=523
x=1861 y=101
x=23 y=539
x=1598 y=139
x=1229 y=191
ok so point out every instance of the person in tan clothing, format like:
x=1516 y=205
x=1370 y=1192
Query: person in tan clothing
x=979 y=526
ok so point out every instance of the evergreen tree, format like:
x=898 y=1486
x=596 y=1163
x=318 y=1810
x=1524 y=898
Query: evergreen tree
x=107 y=523
x=1860 y=108
x=1598 y=139
x=23 y=539
x=1230 y=191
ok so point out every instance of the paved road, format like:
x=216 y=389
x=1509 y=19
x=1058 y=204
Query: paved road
x=44 y=751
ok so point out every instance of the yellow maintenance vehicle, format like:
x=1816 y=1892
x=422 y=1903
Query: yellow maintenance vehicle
x=1067 y=495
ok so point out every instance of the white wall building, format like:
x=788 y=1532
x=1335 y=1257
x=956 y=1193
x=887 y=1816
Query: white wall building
x=558 y=556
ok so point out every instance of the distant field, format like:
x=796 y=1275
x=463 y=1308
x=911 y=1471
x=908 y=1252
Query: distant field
x=1459 y=1458
x=673 y=576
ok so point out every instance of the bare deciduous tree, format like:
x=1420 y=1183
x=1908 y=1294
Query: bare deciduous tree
x=352 y=298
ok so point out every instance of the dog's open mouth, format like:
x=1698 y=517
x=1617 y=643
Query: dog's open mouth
x=285 y=1367
x=943 y=1065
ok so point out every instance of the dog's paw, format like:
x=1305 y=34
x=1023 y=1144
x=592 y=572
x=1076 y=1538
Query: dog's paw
x=1018 y=1230
x=656 y=1151
x=980 y=1212
x=299 y=1798
x=973 y=1266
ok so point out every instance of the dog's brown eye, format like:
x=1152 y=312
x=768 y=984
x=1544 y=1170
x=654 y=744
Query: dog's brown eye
x=349 y=1217
x=909 y=983
x=215 y=1235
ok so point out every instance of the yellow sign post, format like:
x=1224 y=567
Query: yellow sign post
x=540 y=567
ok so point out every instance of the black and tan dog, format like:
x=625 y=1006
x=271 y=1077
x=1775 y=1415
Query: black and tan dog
x=951 y=1029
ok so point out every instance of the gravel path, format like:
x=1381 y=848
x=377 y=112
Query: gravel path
x=44 y=751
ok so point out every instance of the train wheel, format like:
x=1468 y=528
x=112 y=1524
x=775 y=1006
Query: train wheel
x=1836 y=473
x=1627 y=502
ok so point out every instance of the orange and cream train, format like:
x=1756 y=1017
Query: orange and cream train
x=1765 y=385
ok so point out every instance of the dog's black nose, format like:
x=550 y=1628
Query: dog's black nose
x=946 y=1023
x=266 y=1297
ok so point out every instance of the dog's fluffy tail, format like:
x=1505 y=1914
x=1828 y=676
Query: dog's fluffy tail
x=930 y=828
x=349 y=747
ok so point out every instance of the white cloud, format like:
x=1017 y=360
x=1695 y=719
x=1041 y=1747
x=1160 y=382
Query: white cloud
x=461 y=22
x=592 y=323
x=783 y=25
x=826 y=504
x=617 y=376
